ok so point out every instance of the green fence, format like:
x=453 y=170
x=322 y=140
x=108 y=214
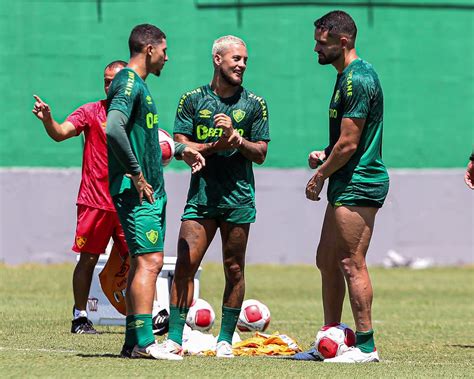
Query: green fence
x=422 y=51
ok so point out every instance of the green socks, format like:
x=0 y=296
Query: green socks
x=365 y=341
x=130 y=334
x=230 y=316
x=139 y=330
x=177 y=321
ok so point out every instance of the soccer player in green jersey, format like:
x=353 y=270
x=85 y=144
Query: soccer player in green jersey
x=229 y=126
x=358 y=180
x=136 y=182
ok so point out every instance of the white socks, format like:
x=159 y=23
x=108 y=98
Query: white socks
x=78 y=313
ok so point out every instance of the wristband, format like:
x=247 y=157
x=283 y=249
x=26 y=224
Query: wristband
x=179 y=149
x=327 y=151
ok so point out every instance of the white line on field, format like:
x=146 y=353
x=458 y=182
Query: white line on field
x=42 y=350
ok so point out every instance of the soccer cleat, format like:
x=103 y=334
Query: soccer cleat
x=354 y=355
x=310 y=355
x=83 y=325
x=224 y=350
x=170 y=347
x=154 y=351
x=126 y=352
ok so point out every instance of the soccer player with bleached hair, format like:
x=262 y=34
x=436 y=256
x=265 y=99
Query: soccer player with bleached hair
x=358 y=181
x=97 y=219
x=229 y=126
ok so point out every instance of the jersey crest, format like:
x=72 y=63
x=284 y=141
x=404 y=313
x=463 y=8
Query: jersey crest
x=238 y=115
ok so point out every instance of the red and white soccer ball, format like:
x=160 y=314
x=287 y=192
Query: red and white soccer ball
x=167 y=147
x=334 y=339
x=200 y=316
x=254 y=316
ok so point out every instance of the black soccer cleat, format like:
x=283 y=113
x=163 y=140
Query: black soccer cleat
x=126 y=351
x=161 y=322
x=83 y=325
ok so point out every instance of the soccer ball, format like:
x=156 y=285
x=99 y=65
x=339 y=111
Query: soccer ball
x=201 y=316
x=254 y=316
x=167 y=147
x=334 y=339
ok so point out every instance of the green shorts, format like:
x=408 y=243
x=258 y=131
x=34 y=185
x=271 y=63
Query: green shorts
x=358 y=194
x=233 y=215
x=144 y=224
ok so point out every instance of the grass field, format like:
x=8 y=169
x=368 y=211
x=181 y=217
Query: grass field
x=424 y=322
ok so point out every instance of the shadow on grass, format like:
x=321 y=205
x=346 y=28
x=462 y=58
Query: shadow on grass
x=107 y=355
x=111 y=332
x=463 y=346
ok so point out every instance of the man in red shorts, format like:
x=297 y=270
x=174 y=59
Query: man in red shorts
x=97 y=220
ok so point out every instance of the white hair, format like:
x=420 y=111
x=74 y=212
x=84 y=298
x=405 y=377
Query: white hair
x=221 y=44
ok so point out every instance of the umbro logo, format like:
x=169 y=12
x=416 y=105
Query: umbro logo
x=205 y=113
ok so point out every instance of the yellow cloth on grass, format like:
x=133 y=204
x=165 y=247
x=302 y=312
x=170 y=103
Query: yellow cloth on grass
x=263 y=344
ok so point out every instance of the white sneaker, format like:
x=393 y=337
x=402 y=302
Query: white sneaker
x=354 y=355
x=171 y=347
x=154 y=351
x=224 y=350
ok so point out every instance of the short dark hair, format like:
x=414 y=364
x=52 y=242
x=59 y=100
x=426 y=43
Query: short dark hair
x=143 y=35
x=338 y=23
x=115 y=64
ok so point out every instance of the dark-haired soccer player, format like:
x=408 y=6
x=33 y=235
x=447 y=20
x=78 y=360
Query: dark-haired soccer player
x=358 y=180
x=136 y=182
x=97 y=219
x=228 y=125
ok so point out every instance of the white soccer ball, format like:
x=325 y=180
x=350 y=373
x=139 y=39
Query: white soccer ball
x=254 y=316
x=201 y=316
x=167 y=147
x=334 y=339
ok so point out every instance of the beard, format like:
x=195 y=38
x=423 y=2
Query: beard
x=157 y=72
x=230 y=80
x=329 y=58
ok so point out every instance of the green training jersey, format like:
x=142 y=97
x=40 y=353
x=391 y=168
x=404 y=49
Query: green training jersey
x=129 y=94
x=358 y=94
x=227 y=180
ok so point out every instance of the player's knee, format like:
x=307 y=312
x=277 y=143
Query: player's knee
x=234 y=272
x=325 y=262
x=152 y=263
x=351 y=267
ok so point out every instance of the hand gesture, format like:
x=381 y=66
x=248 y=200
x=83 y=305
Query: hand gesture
x=316 y=158
x=224 y=122
x=143 y=188
x=193 y=159
x=41 y=110
x=314 y=187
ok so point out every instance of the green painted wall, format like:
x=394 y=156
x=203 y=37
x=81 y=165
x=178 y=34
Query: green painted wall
x=57 y=49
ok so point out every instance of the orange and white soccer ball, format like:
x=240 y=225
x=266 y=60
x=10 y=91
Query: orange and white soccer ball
x=167 y=147
x=254 y=316
x=200 y=316
x=334 y=339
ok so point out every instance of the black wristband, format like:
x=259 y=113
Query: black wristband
x=327 y=151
